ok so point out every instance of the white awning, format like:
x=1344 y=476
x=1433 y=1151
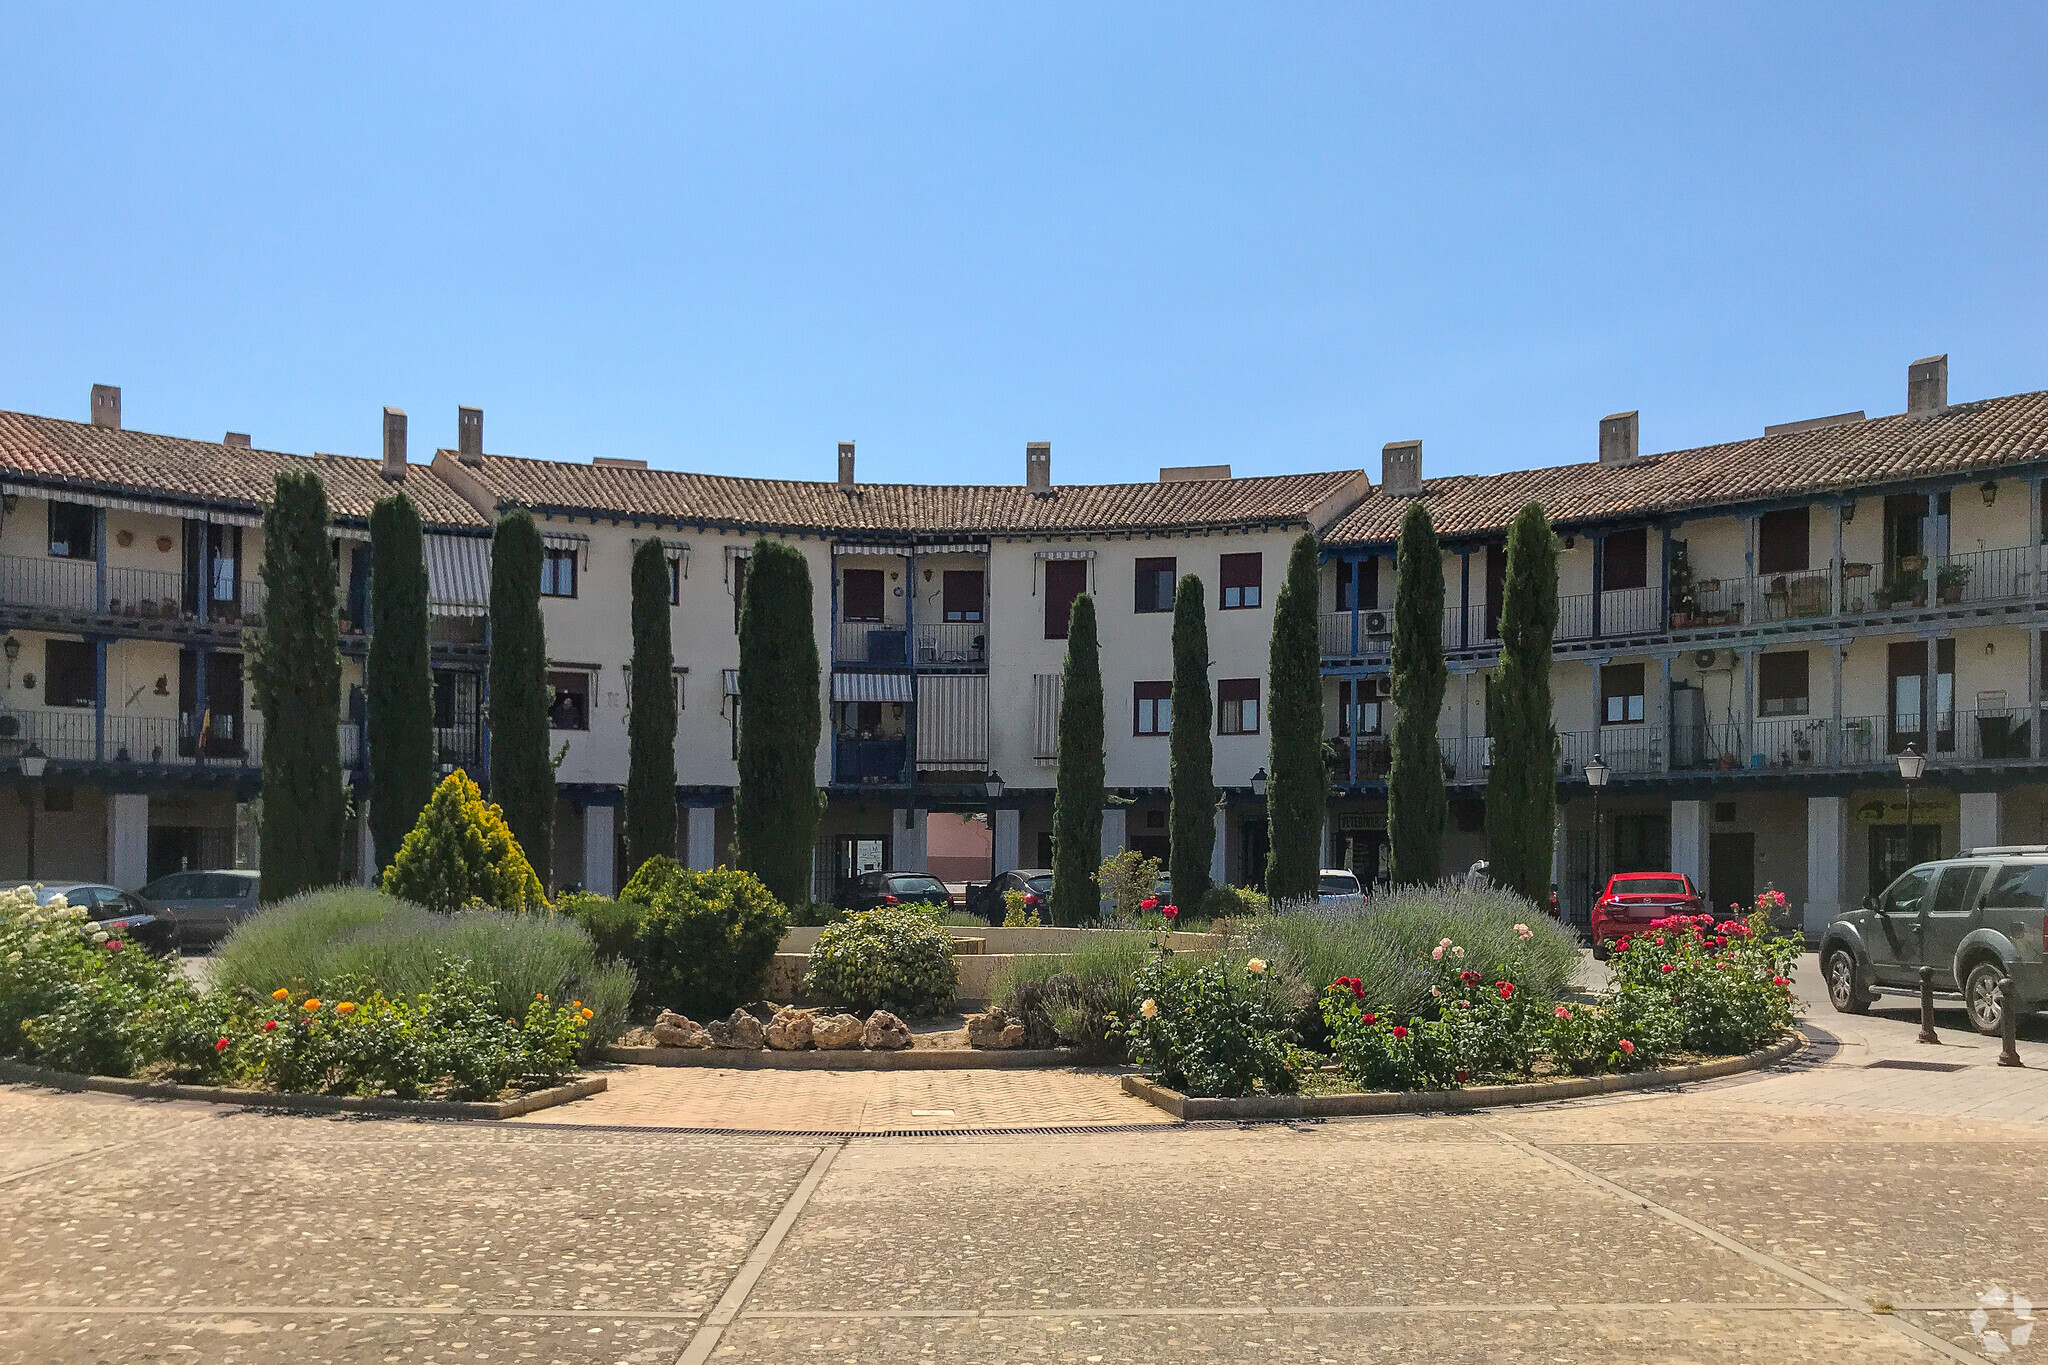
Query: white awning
x=871 y=687
x=564 y=540
x=1066 y=554
x=732 y=682
x=458 y=575
x=972 y=547
x=870 y=549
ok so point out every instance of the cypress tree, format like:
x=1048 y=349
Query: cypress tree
x=522 y=776
x=775 y=810
x=400 y=677
x=1078 y=795
x=1415 y=782
x=1191 y=777
x=295 y=664
x=1296 y=785
x=651 y=724
x=1521 y=789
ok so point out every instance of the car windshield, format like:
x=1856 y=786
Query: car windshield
x=916 y=886
x=1039 y=886
x=1337 y=884
x=1650 y=886
x=171 y=887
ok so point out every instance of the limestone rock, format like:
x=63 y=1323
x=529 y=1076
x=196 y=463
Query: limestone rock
x=677 y=1030
x=885 y=1032
x=791 y=1029
x=740 y=1030
x=836 y=1032
x=996 y=1029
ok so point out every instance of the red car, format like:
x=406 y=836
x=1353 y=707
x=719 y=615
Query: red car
x=1633 y=899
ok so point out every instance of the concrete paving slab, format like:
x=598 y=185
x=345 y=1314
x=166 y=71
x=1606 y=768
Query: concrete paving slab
x=1543 y=1334
x=281 y=1210
x=40 y=1126
x=1902 y=1222
x=360 y=1339
x=1230 y=1219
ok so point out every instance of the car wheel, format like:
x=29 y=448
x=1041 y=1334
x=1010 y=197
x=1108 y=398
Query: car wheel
x=1846 y=990
x=1982 y=999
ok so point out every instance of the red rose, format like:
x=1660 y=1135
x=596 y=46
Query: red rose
x=1665 y=968
x=1371 y=1018
x=1358 y=988
x=114 y=945
x=1400 y=1032
x=1464 y=1076
x=1660 y=942
x=221 y=1045
x=270 y=1025
x=1621 y=946
x=1469 y=977
x=1149 y=903
x=1779 y=981
x=1506 y=989
x=1169 y=910
x=1628 y=1048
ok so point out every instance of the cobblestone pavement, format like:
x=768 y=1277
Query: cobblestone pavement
x=1813 y=1213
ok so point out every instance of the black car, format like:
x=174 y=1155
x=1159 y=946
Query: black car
x=123 y=914
x=894 y=888
x=986 y=898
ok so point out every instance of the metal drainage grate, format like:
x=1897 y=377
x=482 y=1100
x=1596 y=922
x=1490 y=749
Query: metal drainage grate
x=1900 y=1064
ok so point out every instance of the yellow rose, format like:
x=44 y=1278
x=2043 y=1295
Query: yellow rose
x=1256 y=966
x=1150 y=1009
x=279 y=994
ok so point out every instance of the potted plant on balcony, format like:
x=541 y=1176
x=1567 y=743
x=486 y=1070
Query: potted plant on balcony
x=1905 y=585
x=1949 y=582
x=1685 y=598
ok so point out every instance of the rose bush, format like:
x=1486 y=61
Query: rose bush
x=1728 y=981
x=1217 y=1028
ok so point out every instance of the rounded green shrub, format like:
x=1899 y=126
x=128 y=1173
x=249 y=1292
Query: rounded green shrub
x=613 y=926
x=706 y=939
x=892 y=958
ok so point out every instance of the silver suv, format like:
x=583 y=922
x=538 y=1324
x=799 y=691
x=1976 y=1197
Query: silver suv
x=1973 y=918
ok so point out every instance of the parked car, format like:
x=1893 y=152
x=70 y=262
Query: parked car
x=1337 y=883
x=204 y=905
x=894 y=888
x=123 y=914
x=1973 y=918
x=1633 y=899
x=986 y=898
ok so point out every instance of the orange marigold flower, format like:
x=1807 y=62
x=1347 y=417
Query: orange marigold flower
x=312 y=1004
x=588 y=1015
x=279 y=994
x=345 y=1007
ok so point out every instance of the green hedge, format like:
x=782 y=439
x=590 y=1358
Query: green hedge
x=706 y=939
x=894 y=958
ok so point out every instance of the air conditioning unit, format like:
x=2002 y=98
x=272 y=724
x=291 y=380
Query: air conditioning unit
x=1376 y=623
x=1713 y=660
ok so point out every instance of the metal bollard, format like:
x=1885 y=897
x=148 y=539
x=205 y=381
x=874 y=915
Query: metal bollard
x=2009 y=1022
x=1927 y=1006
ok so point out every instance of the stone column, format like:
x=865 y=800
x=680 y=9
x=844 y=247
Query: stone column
x=1979 y=821
x=597 y=851
x=1008 y=834
x=1689 y=840
x=1827 y=846
x=700 y=838
x=910 y=840
x=1217 y=861
x=128 y=839
x=366 y=847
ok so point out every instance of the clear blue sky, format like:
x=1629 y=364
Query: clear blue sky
x=1277 y=236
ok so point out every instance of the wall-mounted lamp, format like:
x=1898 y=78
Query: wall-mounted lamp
x=1848 y=511
x=927 y=575
x=12 y=648
x=1571 y=542
x=163 y=684
x=9 y=501
x=1990 y=491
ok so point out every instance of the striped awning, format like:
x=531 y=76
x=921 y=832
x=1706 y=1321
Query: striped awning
x=870 y=549
x=121 y=502
x=458 y=575
x=871 y=687
x=1066 y=554
x=564 y=540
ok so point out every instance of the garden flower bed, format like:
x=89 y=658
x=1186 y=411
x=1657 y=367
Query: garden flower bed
x=1689 y=998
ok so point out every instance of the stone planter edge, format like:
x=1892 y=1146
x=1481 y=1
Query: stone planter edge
x=1190 y=1109
x=849 y=1059
x=306 y=1104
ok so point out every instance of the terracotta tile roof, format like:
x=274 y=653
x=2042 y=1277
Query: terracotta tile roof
x=172 y=467
x=1965 y=439
x=943 y=509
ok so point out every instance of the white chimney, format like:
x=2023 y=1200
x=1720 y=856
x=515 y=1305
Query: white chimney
x=237 y=439
x=469 y=435
x=1926 y=387
x=106 y=406
x=1038 y=466
x=846 y=465
x=1401 y=469
x=1618 y=438
x=394 y=444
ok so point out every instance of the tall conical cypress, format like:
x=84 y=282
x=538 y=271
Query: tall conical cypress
x=400 y=679
x=1077 y=800
x=1296 y=785
x=651 y=724
x=1192 y=775
x=1521 y=790
x=295 y=663
x=522 y=775
x=1415 y=782
x=775 y=810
